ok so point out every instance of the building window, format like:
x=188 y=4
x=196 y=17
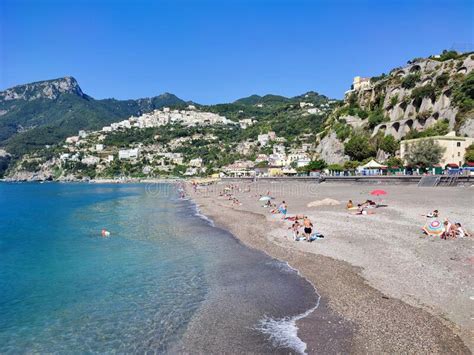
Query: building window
x=458 y=144
x=459 y=154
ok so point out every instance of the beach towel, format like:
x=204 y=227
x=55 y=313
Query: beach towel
x=316 y=236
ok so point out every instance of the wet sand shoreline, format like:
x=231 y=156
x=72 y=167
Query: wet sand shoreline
x=363 y=319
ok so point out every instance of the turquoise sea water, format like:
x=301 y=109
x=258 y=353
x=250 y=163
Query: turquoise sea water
x=166 y=280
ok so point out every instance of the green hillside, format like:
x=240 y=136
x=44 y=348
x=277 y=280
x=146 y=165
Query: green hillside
x=41 y=115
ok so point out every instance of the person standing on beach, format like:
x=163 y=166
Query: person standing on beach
x=308 y=228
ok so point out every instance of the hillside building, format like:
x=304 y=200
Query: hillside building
x=125 y=154
x=455 y=147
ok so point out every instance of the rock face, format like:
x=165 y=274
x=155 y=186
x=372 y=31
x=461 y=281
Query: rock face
x=331 y=149
x=415 y=96
x=49 y=89
x=467 y=129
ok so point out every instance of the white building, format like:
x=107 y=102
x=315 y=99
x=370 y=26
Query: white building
x=106 y=129
x=314 y=111
x=263 y=139
x=90 y=160
x=279 y=148
x=245 y=123
x=129 y=153
x=277 y=159
x=99 y=147
x=196 y=163
x=72 y=140
x=191 y=171
x=302 y=162
x=82 y=134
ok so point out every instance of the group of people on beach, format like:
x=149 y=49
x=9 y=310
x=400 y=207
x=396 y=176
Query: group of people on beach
x=229 y=194
x=364 y=208
x=302 y=228
x=307 y=233
x=450 y=230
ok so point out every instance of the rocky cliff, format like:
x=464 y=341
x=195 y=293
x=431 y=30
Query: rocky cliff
x=436 y=91
x=416 y=96
x=49 y=89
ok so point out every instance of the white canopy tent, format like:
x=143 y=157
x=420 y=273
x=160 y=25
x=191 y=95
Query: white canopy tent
x=372 y=168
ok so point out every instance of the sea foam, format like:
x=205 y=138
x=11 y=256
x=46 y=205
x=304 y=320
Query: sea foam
x=283 y=332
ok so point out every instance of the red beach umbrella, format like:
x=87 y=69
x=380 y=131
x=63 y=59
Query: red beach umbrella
x=378 y=192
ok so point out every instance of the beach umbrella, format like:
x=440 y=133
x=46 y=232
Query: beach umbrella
x=434 y=227
x=265 y=198
x=378 y=192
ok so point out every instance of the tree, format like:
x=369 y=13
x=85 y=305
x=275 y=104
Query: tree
x=394 y=162
x=351 y=164
x=389 y=144
x=469 y=156
x=359 y=147
x=314 y=165
x=424 y=153
x=335 y=167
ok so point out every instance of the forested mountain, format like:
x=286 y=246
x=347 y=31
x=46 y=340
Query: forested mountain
x=45 y=112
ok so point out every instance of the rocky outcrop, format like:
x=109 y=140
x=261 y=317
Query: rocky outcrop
x=467 y=129
x=49 y=89
x=415 y=96
x=331 y=149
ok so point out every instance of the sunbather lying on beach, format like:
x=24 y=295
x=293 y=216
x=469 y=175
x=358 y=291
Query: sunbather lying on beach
x=363 y=210
x=295 y=218
x=433 y=214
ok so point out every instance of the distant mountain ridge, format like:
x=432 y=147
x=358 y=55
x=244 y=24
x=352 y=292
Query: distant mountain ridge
x=35 y=114
x=45 y=112
x=310 y=96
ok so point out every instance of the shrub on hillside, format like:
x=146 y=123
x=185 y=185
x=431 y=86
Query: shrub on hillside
x=424 y=91
x=359 y=147
x=376 y=117
x=442 y=80
x=410 y=81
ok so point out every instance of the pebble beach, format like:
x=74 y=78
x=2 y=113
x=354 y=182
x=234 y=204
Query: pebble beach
x=383 y=285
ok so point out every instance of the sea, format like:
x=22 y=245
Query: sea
x=166 y=280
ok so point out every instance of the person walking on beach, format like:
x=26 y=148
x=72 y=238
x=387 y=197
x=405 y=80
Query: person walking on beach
x=308 y=228
x=283 y=208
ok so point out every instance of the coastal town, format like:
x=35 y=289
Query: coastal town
x=237 y=177
x=88 y=147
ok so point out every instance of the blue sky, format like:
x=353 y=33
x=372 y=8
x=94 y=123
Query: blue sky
x=217 y=51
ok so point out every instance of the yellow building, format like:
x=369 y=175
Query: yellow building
x=275 y=172
x=455 y=147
